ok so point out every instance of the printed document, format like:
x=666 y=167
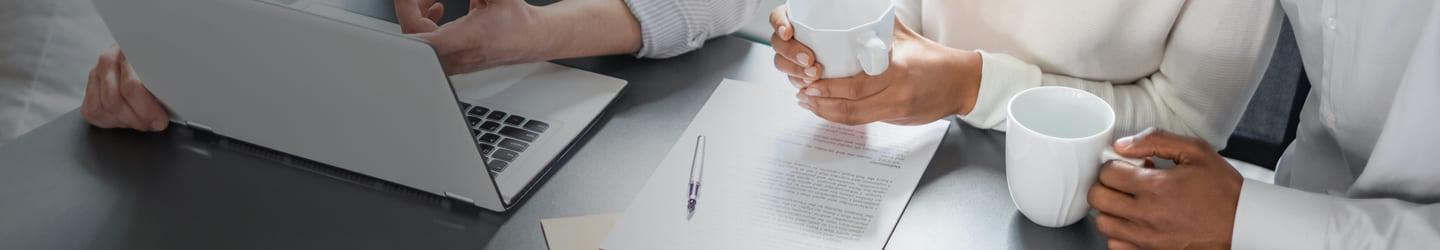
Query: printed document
x=778 y=177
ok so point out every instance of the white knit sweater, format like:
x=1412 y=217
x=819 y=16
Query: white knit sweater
x=1184 y=66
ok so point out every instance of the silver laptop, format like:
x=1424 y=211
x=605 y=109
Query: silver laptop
x=356 y=96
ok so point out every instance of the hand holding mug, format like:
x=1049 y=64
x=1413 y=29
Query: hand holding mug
x=924 y=81
x=1191 y=205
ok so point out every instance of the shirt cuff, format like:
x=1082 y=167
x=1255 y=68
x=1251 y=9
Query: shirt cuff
x=664 y=29
x=1275 y=217
x=1001 y=77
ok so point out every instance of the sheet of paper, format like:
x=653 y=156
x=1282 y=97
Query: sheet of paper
x=778 y=177
x=577 y=233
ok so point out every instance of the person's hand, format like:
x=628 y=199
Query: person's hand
x=495 y=32
x=926 y=81
x=115 y=97
x=1191 y=205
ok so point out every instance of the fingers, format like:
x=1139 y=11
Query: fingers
x=799 y=55
x=1118 y=228
x=90 y=107
x=801 y=58
x=1111 y=201
x=806 y=74
x=111 y=101
x=1163 y=144
x=799 y=83
x=1123 y=177
x=848 y=112
x=435 y=12
x=408 y=13
x=150 y=114
x=114 y=94
x=780 y=22
x=1121 y=245
x=852 y=88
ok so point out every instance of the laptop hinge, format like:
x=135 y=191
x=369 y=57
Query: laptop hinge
x=199 y=127
x=467 y=200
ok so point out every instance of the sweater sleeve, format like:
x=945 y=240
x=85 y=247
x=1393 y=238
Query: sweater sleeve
x=1214 y=59
x=669 y=28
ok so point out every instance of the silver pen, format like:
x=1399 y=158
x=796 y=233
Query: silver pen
x=697 y=162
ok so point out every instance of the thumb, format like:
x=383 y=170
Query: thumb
x=412 y=18
x=1163 y=144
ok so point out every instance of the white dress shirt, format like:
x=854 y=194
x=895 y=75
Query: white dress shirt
x=46 y=51
x=1359 y=174
x=1184 y=66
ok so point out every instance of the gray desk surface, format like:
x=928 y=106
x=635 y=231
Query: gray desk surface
x=70 y=186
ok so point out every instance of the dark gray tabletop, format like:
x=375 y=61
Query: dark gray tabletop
x=70 y=186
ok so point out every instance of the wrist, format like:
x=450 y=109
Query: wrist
x=541 y=25
x=582 y=28
x=966 y=75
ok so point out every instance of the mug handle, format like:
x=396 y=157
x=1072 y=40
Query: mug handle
x=1109 y=154
x=875 y=55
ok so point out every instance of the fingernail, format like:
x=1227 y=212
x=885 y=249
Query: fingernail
x=1124 y=142
x=802 y=98
x=806 y=106
x=1120 y=162
x=812 y=72
x=809 y=81
x=157 y=125
x=782 y=31
x=804 y=60
x=797 y=84
x=812 y=92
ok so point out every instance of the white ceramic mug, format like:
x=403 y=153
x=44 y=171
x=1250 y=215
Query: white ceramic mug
x=1056 y=139
x=848 y=36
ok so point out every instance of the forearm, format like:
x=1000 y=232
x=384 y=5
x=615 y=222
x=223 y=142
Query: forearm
x=583 y=28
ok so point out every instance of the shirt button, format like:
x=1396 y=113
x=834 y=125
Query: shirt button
x=1329 y=119
x=1330 y=23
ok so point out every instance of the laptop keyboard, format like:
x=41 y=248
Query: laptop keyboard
x=502 y=136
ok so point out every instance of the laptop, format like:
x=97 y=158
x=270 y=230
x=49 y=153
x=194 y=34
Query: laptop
x=357 y=96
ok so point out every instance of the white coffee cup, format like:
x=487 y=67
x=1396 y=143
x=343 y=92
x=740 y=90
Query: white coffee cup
x=1056 y=139
x=848 y=36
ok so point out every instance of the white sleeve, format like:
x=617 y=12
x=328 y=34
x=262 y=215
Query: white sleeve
x=669 y=28
x=908 y=11
x=1214 y=59
x=1274 y=217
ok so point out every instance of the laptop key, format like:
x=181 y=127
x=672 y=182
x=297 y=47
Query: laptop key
x=489 y=138
x=464 y=106
x=515 y=120
x=497 y=115
x=490 y=126
x=472 y=120
x=537 y=126
x=513 y=144
x=497 y=166
x=486 y=149
x=517 y=133
x=504 y=155
x=478 y=111
x=475 y=132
